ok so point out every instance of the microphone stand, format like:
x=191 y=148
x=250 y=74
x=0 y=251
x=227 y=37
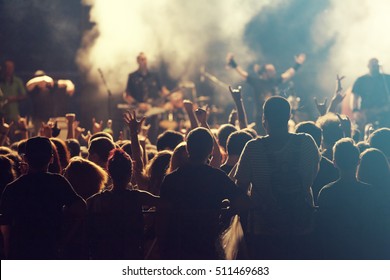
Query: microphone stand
x=109 y=95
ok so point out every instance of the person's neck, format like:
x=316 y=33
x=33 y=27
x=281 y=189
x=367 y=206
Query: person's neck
x=232 y=160
x=143 y=70
x=120 y=186
x=278 y=133
x=349 y=175
x=197 y=161
x=33 y=170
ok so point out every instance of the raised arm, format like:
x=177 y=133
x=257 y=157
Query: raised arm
x=236 y=94
x=216 y=155
x=290 y=72
x=338 y=96
x=135 y=126
x=233 y=64
x=189 y=107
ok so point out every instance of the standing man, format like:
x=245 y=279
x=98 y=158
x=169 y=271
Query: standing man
x=278 y=171
x=371 y=96
x=33 y=209
x=144 y=90
x=13 y=92
x=266 y=82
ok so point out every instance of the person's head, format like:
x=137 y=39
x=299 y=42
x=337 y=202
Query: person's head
x=374 y=168
x=86 y=177
x=331 y=129
x=373 y=66
x=312 y=129
x=179 y=157
x=270 y=71
x=62 y=150
x=157 y=169
x=380 y=140
x=199 y=144
x=236 y=142
x=346 y=155
x=99 y=150
x=101 y=134
x=362 y=146
x=73 y=147
x=39 y=152
x=142 y=60
x=223 y=134
x=168 y=140
x=276 y=113
x=119 y=167
x=9 y=68
x=7 y=174
x=126 y=146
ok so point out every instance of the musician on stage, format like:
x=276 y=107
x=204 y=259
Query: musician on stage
x=144 y=91
x=371 y=97
x=266 y=82
x=144 y=88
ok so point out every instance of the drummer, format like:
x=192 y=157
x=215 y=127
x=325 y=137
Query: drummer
x=144 y=91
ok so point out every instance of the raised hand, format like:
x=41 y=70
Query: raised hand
x=55 y=131
x=202 y=116
x=4 y=127
x=131 y=120
x=236 y=93
x=188 y=105
x=87 y=136
x=321 y=107
x=96 y=127
x=46 y=129
x=230 y=61
x=345 y=124
x=300 y=58
x=339 y=88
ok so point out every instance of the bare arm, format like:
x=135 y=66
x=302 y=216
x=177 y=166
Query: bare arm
x=236 y=94
x=233 y=64
x=290 y=72
x=134 y=126
x=216 y=155
x=189 y=107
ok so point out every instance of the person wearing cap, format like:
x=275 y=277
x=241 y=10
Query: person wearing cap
x=33 y=208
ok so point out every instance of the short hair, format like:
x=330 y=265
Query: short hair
x=277 y=111
x=237 y=141
x=73 y=147
x=39 y=151
x=346 y=154
x=374 y=168
x=102 y=147
x=312 y=129
x=119 y=166
x=223 y=134
x=380 y=140
x=199 y=144
x=331 y=128
x=168 y=140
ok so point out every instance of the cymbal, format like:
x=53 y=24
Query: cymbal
x=203 y=98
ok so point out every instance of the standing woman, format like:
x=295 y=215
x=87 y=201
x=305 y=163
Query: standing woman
x=115 y=221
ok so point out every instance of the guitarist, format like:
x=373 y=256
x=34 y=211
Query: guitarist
x=144 y=91
x=371 y=97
